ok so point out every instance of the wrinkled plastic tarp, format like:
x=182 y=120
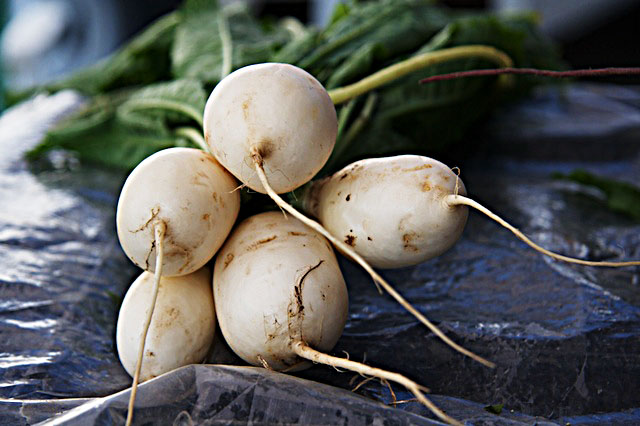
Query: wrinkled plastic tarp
x=566 y=338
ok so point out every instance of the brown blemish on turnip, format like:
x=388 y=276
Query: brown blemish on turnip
x=408 y=241
x=210 y=159
x=369 y=238
x=265 y=148
x=245 y=108
x=350 y=239
x=227 y=260
x=426 y=187
x=200 y=179
x=154 y=213
x=348 y=197
x=206 y=216
x=298 y=314
x=417 y=168
x=151 y=250
x=441 y=189
x=257 y=244
x=297 y=234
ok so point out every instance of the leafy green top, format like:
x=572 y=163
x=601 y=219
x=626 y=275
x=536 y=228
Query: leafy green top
x=142 y=97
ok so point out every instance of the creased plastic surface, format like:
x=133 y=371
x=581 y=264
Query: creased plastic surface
x=566 y=338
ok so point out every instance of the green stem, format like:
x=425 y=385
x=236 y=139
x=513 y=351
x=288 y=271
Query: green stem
x=400 y=69
x=227 y=46
x=345 y=114
x=332 y=45
x=353 y=131
x=194 y=136
x=142 y=104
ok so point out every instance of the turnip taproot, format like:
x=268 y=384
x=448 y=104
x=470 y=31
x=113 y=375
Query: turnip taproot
x=182 y=197
x=182 y=328
x=403 y=210
x=273 y=126
x=281 y=299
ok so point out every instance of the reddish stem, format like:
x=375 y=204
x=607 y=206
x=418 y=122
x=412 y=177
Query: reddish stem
x=532 y=71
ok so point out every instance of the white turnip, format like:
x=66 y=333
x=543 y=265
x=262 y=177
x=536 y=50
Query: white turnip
x=390 y=210
x=281 y=299
x=278 y=111
x=182 y=328
x=403 y=210
x=191 y=194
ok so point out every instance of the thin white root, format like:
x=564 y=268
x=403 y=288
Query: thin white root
x=264 y=363
x=159 y=230
x=304 y=351
x=456 y=200
x=258 y=163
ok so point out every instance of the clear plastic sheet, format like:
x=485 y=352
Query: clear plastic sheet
x=566 y=338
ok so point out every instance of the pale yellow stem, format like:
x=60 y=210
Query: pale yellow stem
x=304 y=351
x=159 y=231
x=456 y=200
x=347 y=250
x=402 y=68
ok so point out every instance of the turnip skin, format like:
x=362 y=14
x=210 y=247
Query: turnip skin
x=391 y=210
x=182 y=328
x=192 y=194
x=279 y=110
x=275 y=282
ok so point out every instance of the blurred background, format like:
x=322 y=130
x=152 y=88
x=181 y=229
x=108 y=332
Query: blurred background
x=45 y=39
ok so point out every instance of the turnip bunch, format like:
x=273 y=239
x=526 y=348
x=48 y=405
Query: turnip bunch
x=273 y=127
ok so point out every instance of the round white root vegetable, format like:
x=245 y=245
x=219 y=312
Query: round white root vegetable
x=403 y=210
x=391 y=210
x=276 y=280
x=273 y=126
x=180 y=197
x=188 y=191
x=281 y=299
x=182 y=328
x=278 y=111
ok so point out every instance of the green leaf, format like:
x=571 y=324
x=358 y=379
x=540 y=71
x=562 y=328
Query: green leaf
x=339 y=11
x=515 y=34
x=98 y=135
x=494 y=409
x=206 y=41
x=198 y=6
x=621 y=197
x=385 y=29
x=297 y=48
x=165 y=105
x=429 y=119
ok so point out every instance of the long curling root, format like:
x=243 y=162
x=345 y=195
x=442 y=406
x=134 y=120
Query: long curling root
x=159 y=229
x=306 y=352
x=457 y=200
